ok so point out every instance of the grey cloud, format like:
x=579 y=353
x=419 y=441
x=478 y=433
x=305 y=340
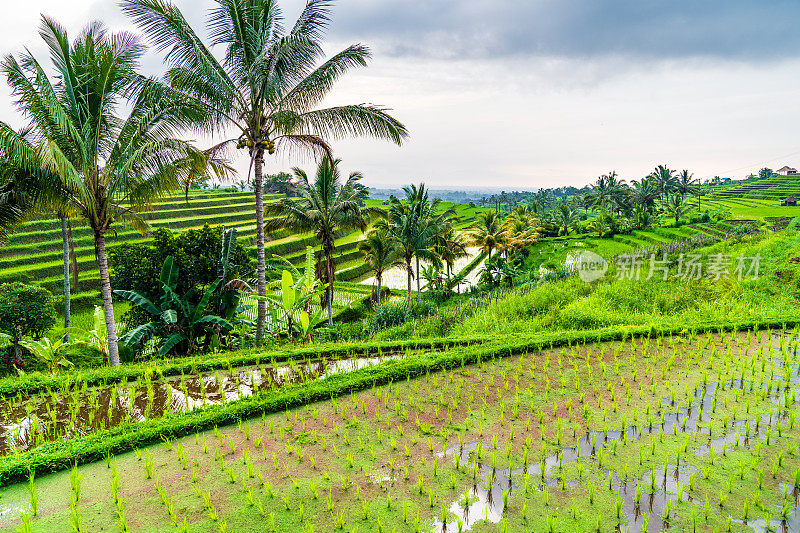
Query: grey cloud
x=728 y=29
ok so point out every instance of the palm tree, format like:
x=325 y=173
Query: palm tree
x=109 y=165
x=607 y=190
x=686 y=184
x=329 y=209
x=602 y=223
x=451 y=247
x=645 y=192
x=417 y=227
x=380 y=253
x=566 y=215
x=675 y=206
x=487 y=233
x=32 y=189
x=268 y=86
x=665 y=180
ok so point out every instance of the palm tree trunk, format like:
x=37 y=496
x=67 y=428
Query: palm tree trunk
x=65 y=257
x=260 y=263
x=378 y=279
x=108 y=304
x=419 y=294
x=329 y=288
x=408 y=272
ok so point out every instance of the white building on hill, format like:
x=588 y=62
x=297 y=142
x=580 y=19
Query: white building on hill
x=785 y=171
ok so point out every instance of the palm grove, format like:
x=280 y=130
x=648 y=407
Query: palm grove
x=82 y=156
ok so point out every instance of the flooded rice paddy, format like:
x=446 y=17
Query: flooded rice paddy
x=27 y=422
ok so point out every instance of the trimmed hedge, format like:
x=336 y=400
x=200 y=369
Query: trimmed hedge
x=62 y=454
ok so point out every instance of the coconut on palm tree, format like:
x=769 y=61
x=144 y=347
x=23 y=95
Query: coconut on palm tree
x=268 y=86
x=110 y=165
x=326 y=207
x=380 y=253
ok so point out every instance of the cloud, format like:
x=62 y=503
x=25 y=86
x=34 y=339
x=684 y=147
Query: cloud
x=647 y=29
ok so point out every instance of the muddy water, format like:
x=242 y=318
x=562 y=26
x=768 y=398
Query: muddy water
x=660 y=489
x=30 y=422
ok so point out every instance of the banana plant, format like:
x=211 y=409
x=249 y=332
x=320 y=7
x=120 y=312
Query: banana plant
x=177 y=321
x=51 y=353
x=95 y=337
x=292 y=303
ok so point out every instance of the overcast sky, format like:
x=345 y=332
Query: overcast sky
x=540 y=93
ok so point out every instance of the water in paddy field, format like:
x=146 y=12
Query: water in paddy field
x=26 y=423
x=669 y=482
x=397 y=277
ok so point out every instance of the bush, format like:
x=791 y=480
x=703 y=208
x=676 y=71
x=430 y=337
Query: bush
x=25 y=311
x=196 y=253
x=391 y=314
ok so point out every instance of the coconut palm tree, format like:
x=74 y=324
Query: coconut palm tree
x=566 y=216
x=416 y=225
x=602 y=223
x=451 y=247
x=329 y=209
x=644 y=192
x=109 y=165
x=267 y=87
x=488 y=233
x=29 y=190
x=665 y=180
x=380 y=253
x=675 y=206
x=686 y=184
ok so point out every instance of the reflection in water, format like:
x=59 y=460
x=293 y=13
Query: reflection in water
x=29 y=422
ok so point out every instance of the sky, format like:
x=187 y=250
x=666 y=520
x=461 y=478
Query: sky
x=545 y=93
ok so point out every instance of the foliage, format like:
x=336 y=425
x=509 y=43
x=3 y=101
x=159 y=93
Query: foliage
x=418 y=229
x=394 y=313
x=291 y=299
x=25 y=312
x=51 y=353
x=675 y=206
x=179 y=323
x=109 y=166
x=201 y=255
x=328 y=208
x=380 y=253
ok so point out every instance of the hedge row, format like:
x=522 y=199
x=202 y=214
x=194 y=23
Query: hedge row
x=37 y=382
x=62 y=454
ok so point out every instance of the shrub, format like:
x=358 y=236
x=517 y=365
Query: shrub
x=25 y=311
x=137 y=267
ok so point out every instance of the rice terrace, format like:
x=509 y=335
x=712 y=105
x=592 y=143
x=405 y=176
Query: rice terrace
x=227 y=303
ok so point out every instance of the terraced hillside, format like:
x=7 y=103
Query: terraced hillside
x=773 y=188
x=33 y=254
x=759 y=209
